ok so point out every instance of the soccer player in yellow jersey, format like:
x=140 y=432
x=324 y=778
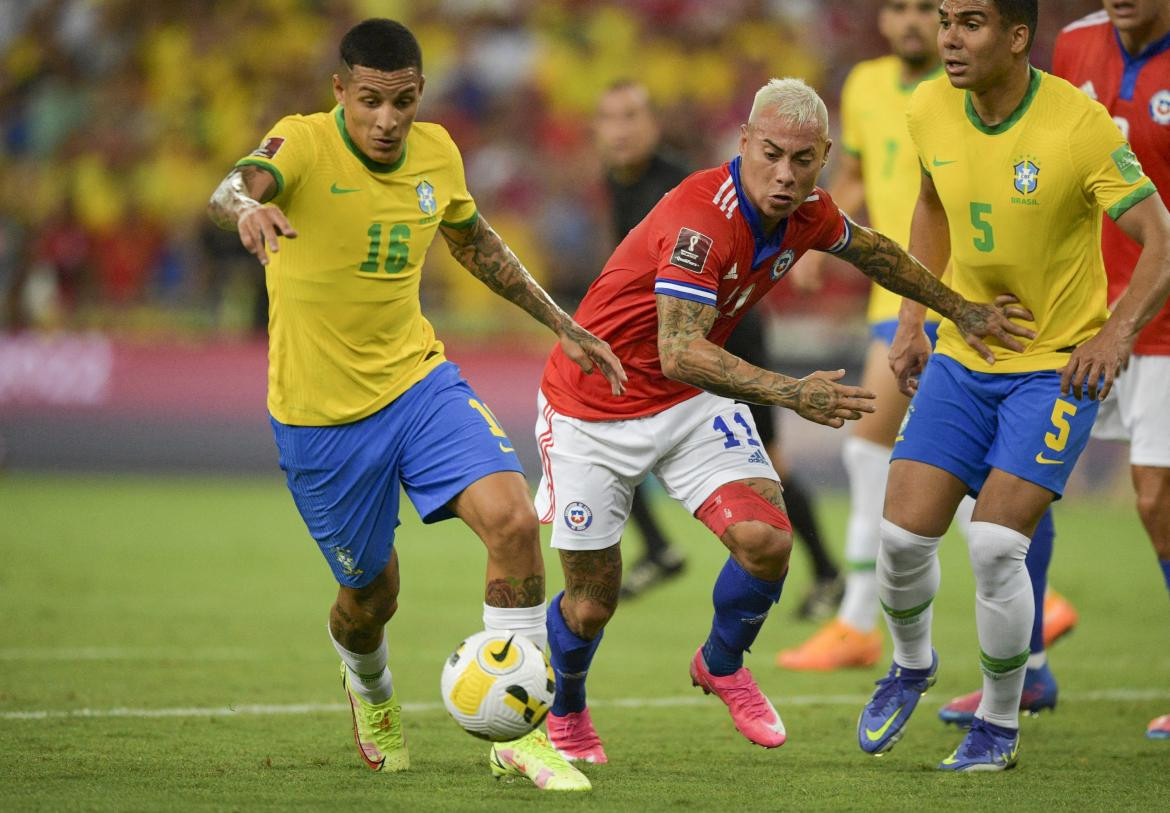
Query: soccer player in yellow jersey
x=879 y=168
x=1017 y=168
x=340 y=208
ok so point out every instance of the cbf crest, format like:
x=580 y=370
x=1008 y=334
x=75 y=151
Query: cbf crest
x=783 y=263
x=426 y=198
x=1026 y=176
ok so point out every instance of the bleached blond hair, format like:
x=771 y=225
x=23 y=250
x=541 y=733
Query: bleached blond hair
x=792 y=100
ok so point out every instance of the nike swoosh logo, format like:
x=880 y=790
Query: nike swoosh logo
x=950 y=760
x=504 y=448
x=341 y=190
x=1040 y=458
x=874 y=736
x=501 y=656
x=938 y=163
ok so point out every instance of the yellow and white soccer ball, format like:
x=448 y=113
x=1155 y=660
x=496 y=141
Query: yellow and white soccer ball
x=498 y=687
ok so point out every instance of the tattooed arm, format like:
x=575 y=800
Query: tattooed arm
x=688 y=356
x=900 y=272
x=481 y=251
x=888 y=264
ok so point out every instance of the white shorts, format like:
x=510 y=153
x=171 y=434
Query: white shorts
x=1136 y=411
x=591 y=468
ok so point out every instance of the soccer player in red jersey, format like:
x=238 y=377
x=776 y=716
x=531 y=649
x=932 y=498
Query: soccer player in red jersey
x=666 y=301
x=1120 y=56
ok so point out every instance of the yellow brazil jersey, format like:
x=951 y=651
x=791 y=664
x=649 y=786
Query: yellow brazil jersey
x=346 y=330
x=1023 y=200
x=873 y=129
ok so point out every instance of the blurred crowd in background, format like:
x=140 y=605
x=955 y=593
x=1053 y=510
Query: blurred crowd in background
x=119 y=117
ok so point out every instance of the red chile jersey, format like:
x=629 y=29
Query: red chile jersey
x=702 y=242
x=1136 y=92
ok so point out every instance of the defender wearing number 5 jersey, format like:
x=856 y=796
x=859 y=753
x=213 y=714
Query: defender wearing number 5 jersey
x=1018 y=167
x=667 y=300
x=363 y=401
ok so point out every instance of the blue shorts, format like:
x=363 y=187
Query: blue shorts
x=968 y=423
x=886 y=329
x=435 y=439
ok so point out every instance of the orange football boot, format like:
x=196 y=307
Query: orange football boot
x=1060 y=617
x=834 y=646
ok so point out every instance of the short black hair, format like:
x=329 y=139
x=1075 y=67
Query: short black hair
x=381 y=44
x=1017 y=12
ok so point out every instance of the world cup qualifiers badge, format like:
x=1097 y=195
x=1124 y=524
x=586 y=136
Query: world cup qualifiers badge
x=426 y=198
x=578 y=516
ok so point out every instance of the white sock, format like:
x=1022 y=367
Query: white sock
x=369 y=676
x=527 y=621
x=868 y=467
x=1003 y=617
x=1037 y=659
x=908 y=576
x=963 y=515
x=859 y=607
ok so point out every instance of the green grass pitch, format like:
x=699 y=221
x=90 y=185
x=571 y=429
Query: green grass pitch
x=163 y=646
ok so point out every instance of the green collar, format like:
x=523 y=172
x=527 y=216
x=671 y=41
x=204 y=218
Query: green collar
x=370 y=163
x=1017 y=114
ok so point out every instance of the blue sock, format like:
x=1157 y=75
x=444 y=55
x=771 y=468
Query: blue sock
x=741 y=603
x=570 y=657
x=1165 y=563
x=1039 y=555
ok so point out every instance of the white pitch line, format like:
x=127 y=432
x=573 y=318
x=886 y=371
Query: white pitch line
x=1102 y=696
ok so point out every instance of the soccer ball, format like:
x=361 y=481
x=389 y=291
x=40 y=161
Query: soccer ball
x=498 y=687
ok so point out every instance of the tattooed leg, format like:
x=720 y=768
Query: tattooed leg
x=515 y=592
x=359 y=615
x=761 y=549
x=592 y=581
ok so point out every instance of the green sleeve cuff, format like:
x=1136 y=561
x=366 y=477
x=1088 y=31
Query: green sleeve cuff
x=461 y=224
x=1132 y=199
x=267 y=167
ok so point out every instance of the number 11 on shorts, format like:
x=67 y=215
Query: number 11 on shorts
x=731 y=440
x=493 y=425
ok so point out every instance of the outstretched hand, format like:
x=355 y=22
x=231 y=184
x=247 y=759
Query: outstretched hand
x=259 y=227
x=822 y=400
x=591 y=353
x=977 y=321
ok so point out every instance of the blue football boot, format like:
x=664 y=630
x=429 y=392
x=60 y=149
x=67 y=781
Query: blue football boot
x=883 y=720
x=1039 y=695
x=986 y=747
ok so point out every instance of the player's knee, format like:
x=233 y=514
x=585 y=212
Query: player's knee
x=758 y=546
x=997 y=557
x=903 y=552
x=587 y=617
x=511 y=529
x=367 y=609
x=757 y=532
x=1154 y=509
